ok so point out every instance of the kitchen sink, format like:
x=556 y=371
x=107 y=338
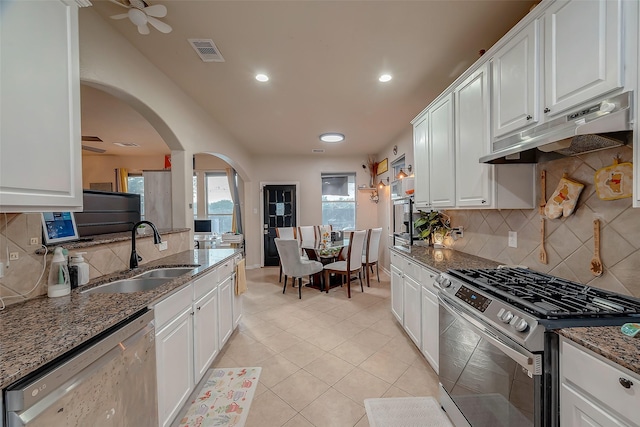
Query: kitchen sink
x=125 y=286
x=169 y=272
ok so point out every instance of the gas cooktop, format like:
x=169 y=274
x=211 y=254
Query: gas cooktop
x=548 y=297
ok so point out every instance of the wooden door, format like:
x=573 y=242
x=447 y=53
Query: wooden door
x=279 y=207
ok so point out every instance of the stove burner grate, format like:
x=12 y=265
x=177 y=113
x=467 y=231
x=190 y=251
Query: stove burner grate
x=548 y=296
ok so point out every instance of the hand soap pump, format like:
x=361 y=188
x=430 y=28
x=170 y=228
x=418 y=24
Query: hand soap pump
x=58 y=283
x=83 y=268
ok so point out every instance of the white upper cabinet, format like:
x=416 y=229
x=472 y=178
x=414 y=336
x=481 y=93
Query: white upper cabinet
x=515 y=88
x=421 y=154
x=582 y=52
x=40 y=161
x=442 y=168
x=472 y=140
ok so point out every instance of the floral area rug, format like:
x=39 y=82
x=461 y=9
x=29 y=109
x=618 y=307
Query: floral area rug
x=224 y=399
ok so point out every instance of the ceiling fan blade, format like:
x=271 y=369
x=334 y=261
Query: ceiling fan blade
x=157 y=10
x=160 y=26
x=143 y=29
x=121 y=16
x=120 y=4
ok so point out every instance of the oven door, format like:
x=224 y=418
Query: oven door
x=488 y=379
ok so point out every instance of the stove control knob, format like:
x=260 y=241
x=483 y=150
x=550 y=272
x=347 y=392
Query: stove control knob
x=445 y=283
x=500 y=313
x=521 y=325
x=506 y=317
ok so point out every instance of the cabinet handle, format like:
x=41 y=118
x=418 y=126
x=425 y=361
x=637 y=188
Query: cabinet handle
x=193 y=313
x=198 y=308
x=625 y=382
x=529 y=117
x=484 y=201
x=547 y=110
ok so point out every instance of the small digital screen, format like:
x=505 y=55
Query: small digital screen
x=477 y=301
x=202 y=226
x=59 y=227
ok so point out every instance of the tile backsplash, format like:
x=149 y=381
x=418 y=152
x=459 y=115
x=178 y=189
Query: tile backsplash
x=21 y=278
x=568 y=241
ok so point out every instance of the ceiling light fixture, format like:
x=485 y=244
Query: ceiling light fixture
x=385 y=78
x=332 y=137
x=262 y=78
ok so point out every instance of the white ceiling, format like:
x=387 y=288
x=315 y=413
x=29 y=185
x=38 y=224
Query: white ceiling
x=323 y=59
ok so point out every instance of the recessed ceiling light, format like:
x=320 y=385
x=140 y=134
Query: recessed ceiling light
x=332 y=137
x=262 y=78
x=384 y=78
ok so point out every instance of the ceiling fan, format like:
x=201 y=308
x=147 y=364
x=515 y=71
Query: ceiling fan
x=140 y=13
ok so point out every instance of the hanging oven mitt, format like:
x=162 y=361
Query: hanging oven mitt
x=564 y=199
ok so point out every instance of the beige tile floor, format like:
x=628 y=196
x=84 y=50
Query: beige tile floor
x=323 y=355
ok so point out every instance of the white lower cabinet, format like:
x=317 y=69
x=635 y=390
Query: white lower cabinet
x=594 y=391
x=174 y=361
x=192 y=325
x=412 y=321
x=396 y=293
x=225 y=316
x=430 y=334
x=205 y=331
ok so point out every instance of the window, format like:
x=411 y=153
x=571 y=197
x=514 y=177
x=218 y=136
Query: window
x=135 y=185
x=339 y=200
x=397 y=166
x=219 y=202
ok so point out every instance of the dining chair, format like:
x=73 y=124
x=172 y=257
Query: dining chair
x=353 y=263
x=370 y=257
x=307 y=233
x=324 y=232
x=288 y=233
x=293 y=265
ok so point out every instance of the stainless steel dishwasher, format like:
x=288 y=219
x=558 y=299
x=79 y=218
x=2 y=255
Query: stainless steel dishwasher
x=111 y=382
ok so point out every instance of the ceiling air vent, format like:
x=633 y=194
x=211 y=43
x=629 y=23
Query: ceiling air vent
x=207 y=50
x=317 y=150
x=93 y=149
x=91 y=138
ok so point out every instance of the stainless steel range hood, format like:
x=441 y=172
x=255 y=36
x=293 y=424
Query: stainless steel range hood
x=599 y=125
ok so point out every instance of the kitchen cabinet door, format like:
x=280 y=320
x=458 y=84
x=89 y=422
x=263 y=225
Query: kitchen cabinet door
x=396 y=294
x=515 y=89
x=430 y=334
x=205 y=332
x=473 y=179
x=421 y=162
x=442 y=168
x=412 y=314
x=583 y=52
x=225 y=310
x=577 y=410
x=174 y=361
x=41 y=163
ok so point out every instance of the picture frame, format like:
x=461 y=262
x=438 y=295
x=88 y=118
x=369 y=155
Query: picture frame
x=383 y=166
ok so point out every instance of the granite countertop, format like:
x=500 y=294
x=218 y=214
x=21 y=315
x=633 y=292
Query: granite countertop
x=608 y=342
x=103 y=239
x=38 y=331
x=443 y=259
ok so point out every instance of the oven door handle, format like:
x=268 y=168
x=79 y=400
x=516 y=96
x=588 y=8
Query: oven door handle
x=531 y=362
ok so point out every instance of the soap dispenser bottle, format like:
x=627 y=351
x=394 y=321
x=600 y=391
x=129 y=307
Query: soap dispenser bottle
x=83 y=268
x=58 y=284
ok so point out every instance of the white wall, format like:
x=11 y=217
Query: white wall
x=101 y=168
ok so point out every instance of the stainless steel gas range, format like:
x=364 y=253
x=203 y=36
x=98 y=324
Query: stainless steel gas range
x=498 y=354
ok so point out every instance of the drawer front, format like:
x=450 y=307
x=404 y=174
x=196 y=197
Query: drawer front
x=413 y=270
x=170 y=307
x=398 y=260
x=205 y=284
x=601 y=380
x=225 y=269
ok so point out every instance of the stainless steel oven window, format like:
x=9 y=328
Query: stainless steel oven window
x=486 y=383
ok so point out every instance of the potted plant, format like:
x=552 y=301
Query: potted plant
x=433 y=226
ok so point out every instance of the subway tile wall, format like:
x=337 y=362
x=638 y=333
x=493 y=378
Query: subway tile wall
x=21 y=278
x=569 y=241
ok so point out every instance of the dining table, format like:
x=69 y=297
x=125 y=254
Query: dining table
x=326 y=252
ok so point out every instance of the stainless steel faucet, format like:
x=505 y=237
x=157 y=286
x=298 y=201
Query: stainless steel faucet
x=133 y=260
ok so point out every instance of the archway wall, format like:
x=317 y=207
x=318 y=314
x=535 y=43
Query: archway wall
x=109 y=62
